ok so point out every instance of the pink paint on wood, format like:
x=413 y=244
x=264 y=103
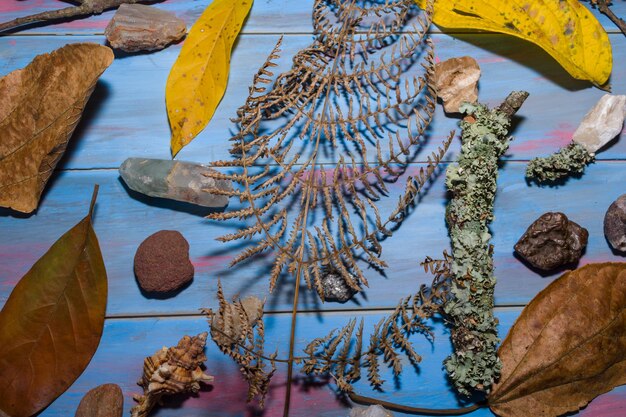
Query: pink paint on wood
x=22 y=7
x=555 y=139
x=206 y=263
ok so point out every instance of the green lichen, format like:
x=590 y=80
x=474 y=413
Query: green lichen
x=567 y=161
x=474 y=365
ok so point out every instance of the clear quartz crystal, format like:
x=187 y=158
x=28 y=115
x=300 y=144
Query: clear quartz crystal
x=175 y=180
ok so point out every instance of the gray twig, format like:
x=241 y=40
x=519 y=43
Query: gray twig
x=86 y=8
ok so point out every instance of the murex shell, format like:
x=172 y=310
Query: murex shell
x=171 y=371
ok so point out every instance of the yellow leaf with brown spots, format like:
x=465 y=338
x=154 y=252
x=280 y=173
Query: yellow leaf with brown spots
x=565 y=29
x=198 y=79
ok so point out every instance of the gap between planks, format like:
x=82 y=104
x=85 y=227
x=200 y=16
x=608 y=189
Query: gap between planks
x=359 y=312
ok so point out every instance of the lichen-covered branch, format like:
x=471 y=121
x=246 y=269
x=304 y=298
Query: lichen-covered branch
x=474 y=365
x=569 y=160
x=86 y=8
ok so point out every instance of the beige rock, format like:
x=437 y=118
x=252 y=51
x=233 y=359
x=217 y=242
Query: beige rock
x=456 y=80
x=603 y=122
x=136 y=27
x=103 y=401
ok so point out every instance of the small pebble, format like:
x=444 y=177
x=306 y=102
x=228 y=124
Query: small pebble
x=335 y=287
x=615 y=224
x=371 y=411
x=552 y=241
x=102 y=401
x=162 y=262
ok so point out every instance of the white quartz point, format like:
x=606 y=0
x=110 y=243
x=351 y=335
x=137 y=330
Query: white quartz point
x=603 y=122
x=371 y=411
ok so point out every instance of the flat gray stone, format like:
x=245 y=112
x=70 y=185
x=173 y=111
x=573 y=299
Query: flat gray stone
x=175 y=180
x=371 y=411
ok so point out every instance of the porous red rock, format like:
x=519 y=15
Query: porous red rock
x=104 y=400
x=137 y=27
x=162 y=262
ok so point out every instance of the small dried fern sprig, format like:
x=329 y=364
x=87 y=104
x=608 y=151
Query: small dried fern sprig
x=343 y=354
x=237 y=329
x=474 y=365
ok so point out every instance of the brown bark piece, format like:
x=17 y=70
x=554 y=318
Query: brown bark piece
x=40 y=107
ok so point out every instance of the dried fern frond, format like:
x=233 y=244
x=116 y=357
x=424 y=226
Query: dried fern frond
x=343 y=354
x=328 y=136
x=237 y=329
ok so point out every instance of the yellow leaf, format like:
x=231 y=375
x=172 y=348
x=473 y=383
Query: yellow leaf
x=565 y=29
x=198 y=79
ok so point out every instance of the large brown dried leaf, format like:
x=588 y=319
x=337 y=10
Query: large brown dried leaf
x=40 y=106
x=52 y=322
x=567 y=347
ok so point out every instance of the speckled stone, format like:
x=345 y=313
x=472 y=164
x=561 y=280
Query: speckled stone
x=552 y=241
x=137 y=27
x=104 y=400
x=162 y=262
x=615 y=224
x=335 y=287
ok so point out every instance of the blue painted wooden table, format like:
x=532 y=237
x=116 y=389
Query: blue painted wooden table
x=126 y=117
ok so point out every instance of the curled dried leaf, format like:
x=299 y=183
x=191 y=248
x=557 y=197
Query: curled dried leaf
x=40 y=107
x=567 y=347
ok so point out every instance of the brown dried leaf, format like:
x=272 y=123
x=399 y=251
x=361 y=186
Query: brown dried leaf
x=52 y=322
x=567 y=347
x=40 y=107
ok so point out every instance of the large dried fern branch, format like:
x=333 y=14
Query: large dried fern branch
x=346 y=93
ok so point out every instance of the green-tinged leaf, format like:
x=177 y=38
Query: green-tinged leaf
x=198 y=79
x=52 y=322
x=567 y=347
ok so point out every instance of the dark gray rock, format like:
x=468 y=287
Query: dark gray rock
x=615 y=224
x=552 y=241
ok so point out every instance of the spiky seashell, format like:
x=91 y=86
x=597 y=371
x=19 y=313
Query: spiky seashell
x=171 y=371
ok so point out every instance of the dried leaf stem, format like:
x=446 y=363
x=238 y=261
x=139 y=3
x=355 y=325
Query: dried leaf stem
x=360 y=399
x=86 y=8
x=604 y=8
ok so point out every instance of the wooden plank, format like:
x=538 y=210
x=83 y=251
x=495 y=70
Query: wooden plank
x=125 y=342
x=124 y=219
x=267 y=16
x=126 y=115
